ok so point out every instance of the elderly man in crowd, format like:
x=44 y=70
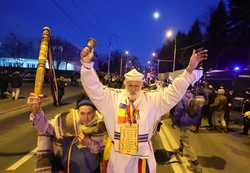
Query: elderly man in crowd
x=131 y=114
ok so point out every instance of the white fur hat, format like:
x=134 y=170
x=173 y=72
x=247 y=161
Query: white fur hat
x=134 y=75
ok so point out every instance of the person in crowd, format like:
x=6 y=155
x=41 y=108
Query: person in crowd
x=200 y=97
x=131 y=114
x=186 y=114
x=73 y=79
x=4 y=83
x=61 y=84
x=219 y=107
x=106 y=79
x=77 y=136
x=16 y=84
x=229 y=95
x=246 y=113
x=209 y=94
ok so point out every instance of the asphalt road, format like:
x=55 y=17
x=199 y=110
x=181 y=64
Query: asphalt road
x=217 y=151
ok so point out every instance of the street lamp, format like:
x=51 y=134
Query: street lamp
x=156 y=15
x=109 y=59
x=126 y=65
x=169 y=34
x=126 y=53
x=153 y=54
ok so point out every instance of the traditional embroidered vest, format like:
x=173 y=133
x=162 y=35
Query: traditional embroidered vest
x=66 y=124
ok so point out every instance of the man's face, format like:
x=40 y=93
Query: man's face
x=86 y=114
x=133 y=89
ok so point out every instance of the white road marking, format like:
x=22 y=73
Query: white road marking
x=173 y=144
x=176 y=166
x=22 y=160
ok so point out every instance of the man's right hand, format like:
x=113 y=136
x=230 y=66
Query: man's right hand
x=87 y=55
x=34 y=102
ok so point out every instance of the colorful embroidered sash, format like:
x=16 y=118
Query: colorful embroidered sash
x=128 y=112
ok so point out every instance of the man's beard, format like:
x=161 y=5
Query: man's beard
x=133 y=96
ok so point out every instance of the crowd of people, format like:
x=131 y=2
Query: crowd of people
x=11 y=85
x=219 y=106
x=85 y=133
x=110 y=129
x=130 y=116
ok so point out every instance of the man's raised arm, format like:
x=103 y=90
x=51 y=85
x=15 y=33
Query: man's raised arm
x=100 y=96
x=39 y=120
x=171 y=95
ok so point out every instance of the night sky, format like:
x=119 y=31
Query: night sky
x=128 y=24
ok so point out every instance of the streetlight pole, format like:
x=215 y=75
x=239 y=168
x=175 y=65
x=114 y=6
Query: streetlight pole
x=174 y=54
x=127 y=57
x=158 y=66
x=109 y=57
x=109 y=63
x=61 y=58
x=169 y=34
x=121 y=66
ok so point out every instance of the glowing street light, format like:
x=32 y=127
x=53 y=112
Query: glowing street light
x=126 y=63
x=156 y=15
x=126 y=53
x=169 y=34
x=153 y=54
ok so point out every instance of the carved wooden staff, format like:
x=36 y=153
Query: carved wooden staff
x=44 y=143
x=43 y=54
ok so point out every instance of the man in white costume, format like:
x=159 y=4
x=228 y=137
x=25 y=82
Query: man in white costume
x=131 y=114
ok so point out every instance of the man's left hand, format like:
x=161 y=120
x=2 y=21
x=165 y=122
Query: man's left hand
x=198 y=56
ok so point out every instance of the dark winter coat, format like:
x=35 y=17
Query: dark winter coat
x=16 y=81
x=187 y=113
